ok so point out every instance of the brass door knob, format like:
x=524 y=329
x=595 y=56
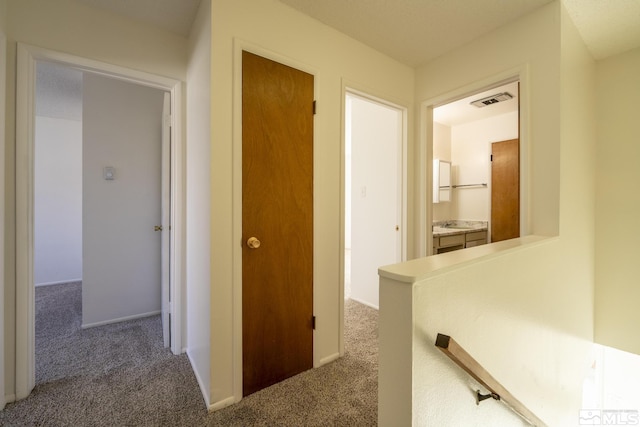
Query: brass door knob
x=253 y=243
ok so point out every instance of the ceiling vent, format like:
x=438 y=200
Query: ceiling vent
x=493 y=99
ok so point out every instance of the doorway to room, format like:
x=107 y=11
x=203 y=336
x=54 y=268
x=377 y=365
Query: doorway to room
x=98 y=146
x=468 y=135
x=374 y=204
x=171 y=154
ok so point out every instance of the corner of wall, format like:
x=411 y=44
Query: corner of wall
x=617 y=201
x=197 y=310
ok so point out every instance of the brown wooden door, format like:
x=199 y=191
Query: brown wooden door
x=505 y=190
x=277 y=209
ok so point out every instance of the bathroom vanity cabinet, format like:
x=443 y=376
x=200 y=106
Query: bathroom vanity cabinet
x=458 y=239
x=475 y=238
x=442 y=244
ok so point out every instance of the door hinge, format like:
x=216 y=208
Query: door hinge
x=313 y=322
x=491 y=158
x=314 y=107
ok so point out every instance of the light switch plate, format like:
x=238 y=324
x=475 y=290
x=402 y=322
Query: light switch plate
x=109 y=173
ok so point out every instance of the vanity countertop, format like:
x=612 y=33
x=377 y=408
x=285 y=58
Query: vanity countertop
x=450 y=228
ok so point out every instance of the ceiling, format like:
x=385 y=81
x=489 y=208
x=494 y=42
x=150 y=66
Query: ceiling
x=417 y=31
x=175 y=16
x=461 y=111
x=608 y=27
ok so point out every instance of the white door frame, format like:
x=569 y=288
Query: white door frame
x=25 y=114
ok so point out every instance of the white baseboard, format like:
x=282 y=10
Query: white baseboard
x=205 y=393
x=329 y=359
x=222 y=404
x=365 y=303
x=120 y=319
x=59 y=282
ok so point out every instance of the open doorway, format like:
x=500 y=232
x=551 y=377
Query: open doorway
x=374 y=193
x=171 y=154
x=468 y=135
x=97 y=198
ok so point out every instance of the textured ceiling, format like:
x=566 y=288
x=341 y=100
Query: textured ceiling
x=175 y=16
x=58 y=91
x=608 y=27
x=461 y=111
x=415 y=31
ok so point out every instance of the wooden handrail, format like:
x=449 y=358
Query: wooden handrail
x=452 y=349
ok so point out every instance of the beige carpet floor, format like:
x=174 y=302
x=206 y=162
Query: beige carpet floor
x=120 y=375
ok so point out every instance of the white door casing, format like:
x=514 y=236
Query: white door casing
x=25 y=113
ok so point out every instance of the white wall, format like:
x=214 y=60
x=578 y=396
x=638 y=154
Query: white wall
x=198 y=194
x=470 y=151
x=525 y=313
x=618 y=202
x=73 y=27
x=376 y=150
x=268 y=28
x=58 y=201
x=121 y=250
x=441 y=151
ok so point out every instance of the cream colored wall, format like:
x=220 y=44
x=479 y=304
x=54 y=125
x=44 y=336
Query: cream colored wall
x=575 y=267
x=72 y=27
x=198 y=216
x=76 y=28
x=274 y=30
x=618 y=202
x=526 y=312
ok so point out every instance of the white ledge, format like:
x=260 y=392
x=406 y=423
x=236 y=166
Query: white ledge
x=422 y=268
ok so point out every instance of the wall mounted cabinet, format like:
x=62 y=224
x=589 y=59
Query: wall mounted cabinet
x=441 y=181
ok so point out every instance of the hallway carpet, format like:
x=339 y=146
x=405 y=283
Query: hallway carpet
x=120 y=375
